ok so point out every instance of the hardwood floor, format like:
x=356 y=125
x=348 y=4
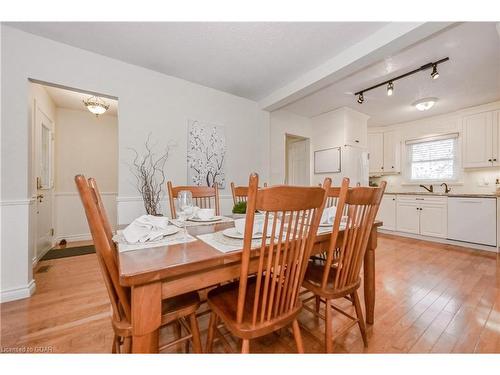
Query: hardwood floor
x=430 y=298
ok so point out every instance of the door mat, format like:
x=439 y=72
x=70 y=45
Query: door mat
x=68 y=252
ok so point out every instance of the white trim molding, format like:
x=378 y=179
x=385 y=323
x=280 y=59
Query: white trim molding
x=18 y=293
x=18 y=202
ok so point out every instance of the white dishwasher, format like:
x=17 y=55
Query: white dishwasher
x=472 y=220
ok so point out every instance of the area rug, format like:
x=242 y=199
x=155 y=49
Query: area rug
x=68 y=252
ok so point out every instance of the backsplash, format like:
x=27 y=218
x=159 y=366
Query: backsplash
x=480 y=181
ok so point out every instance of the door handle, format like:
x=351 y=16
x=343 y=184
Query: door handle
x=39 y=197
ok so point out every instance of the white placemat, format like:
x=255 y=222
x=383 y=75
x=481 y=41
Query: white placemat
x=174 y=239
x=180 y=224
x=225 y=244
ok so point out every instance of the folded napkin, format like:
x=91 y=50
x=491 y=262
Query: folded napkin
x=258 y=225
x=328 y=216
x=145 y=228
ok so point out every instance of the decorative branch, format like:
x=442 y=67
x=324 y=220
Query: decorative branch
x=149 y=171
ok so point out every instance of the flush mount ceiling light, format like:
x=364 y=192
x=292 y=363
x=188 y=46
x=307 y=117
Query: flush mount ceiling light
x=390 y=82
x=425 y=104
x=96 y=105
x=390 y=88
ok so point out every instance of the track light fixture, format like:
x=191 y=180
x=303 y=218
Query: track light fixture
x=390 y=82
x=390 y=88
x=434 y=74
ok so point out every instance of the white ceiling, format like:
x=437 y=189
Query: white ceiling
x=63 y=98
x=250 y=59
x=471 y=77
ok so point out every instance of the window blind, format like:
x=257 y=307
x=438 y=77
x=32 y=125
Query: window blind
x=433 y=159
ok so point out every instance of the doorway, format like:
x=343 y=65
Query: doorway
x=67 y=139
x=297 y=160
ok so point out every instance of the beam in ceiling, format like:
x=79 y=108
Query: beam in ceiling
x=385 y=42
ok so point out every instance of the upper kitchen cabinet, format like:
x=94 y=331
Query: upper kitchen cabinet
x=481 y=140
x=376 y=152
x=342 y=127
x=392 y=152
x=385 y=152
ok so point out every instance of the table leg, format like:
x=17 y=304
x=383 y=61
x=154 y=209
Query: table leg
x=146 y=317
x=369 y=276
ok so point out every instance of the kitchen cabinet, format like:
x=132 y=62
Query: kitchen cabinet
x=433 y=220
x=408 y=217
x=392 y=152
x=385 y=152
x=376 y=152
x=387 y=212
x=422 y=215
x=481 y=140
x=341 y=127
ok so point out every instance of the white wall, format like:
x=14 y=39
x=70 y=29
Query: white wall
x=148 y=102
x=283 y=123
x=448 y=123
x=85 y=144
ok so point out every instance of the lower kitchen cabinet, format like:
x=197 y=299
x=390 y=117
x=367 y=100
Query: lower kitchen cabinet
x=422 y=215
x=387 y=212
x=434 y=220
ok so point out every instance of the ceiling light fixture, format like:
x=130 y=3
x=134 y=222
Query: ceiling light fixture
x=390 y=82
x=390 y=88
x=425 y=104
x=96 y=105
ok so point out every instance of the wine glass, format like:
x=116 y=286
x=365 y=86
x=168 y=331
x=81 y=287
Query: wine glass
x=185 y=203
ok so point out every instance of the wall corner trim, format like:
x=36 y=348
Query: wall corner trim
x=18 y=293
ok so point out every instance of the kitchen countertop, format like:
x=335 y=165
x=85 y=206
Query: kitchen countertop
x=438 y=194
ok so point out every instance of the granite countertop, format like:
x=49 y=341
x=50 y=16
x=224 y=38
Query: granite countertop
x=439 y=194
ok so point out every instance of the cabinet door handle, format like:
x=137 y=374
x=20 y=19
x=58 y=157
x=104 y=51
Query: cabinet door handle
x=381 y=167
x=490 y=160
x=494 y=159
x=356 y=141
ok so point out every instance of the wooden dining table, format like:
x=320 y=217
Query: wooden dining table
x=157 y=273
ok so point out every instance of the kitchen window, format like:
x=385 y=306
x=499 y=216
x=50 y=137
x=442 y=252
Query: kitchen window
x=433 y=159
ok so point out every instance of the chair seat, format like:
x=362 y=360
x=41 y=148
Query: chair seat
x=172 y=309
x=314 y=277
x=224 y=301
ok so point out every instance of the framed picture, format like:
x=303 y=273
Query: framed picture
x=327 y=160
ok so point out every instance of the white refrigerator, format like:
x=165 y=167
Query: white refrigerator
x=353 y=164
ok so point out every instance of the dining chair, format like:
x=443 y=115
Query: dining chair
x=338 y=276
x=240 y=193
x=175 y=310
x=203 y=197
x=265 y=299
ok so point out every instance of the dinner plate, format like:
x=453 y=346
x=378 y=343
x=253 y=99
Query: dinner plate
x=233 y=233
x=198 y=220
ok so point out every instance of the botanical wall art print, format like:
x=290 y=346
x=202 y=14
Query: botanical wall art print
x=206 y=154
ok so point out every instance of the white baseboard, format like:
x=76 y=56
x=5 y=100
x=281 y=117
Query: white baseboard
x=441 y=240
x=74 y=237
x=18 y=293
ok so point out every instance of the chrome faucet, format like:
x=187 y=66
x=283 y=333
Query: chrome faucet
x=446 y=188
x=430 y=189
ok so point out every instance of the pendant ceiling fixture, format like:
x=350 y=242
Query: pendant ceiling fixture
x=96 y=105
x=390 y=82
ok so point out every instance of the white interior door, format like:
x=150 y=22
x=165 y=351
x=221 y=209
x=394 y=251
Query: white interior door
x=44 y=162
x=298 y=163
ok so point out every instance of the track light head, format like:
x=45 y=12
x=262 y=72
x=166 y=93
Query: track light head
x=390 y=88
x=434 y=74
x=361 y=98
